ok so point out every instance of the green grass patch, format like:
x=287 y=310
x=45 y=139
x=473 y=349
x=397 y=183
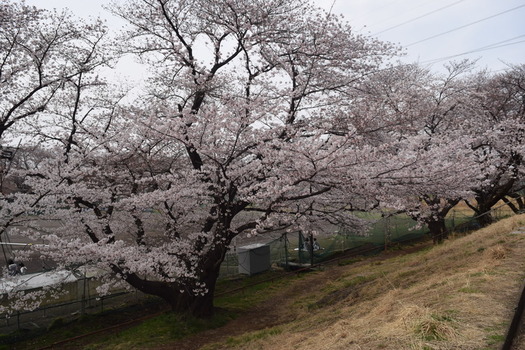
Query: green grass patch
x=162 y=329
x=62 y=328
x=244 y=339
x=245 y=292
x=357 y=280
x=350 y=261
x=494 y=339
x=169 y=327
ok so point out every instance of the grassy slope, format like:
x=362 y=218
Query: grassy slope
x=459 y=295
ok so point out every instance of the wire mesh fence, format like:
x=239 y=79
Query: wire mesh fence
x=287 y=250
x=80 y=300
x=294 y=249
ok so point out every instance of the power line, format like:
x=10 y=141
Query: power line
x=382 y=6
x=466 y=25
x=495 y=45
x=418 y=17
x=395 y=15
x=369 y=12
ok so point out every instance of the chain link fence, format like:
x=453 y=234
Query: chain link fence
x=80 y=298
x=285 y=250
x=293 y=250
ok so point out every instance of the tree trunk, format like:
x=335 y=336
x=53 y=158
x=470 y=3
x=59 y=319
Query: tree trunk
x=181 y=297
x=519 y=205
x=485 y=200
x=438 y=230
x=482 y=210
x=435 y=221
x=511 y=205
x=197 y=305
x=484 y=216
x=201 y=305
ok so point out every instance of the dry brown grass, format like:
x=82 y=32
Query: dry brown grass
x=459 y=295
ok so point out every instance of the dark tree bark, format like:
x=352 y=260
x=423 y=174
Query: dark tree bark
x=485 y=201
x=515 y=201
x=180 y=297
x=436 y=221
x=438 y=230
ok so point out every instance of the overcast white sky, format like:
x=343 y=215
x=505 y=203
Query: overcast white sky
x=433 y=31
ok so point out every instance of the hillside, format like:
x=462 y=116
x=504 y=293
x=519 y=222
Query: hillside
x=459 y=295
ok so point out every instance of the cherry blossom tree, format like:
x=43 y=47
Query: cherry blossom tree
x=499 y=125
x=421 y=116
x=40 y=53
x=238 y=133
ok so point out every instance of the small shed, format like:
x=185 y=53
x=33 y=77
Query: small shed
x=254 y=258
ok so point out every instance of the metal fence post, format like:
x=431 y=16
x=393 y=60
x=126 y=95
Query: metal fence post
x=286 y=251
x=83 y=301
